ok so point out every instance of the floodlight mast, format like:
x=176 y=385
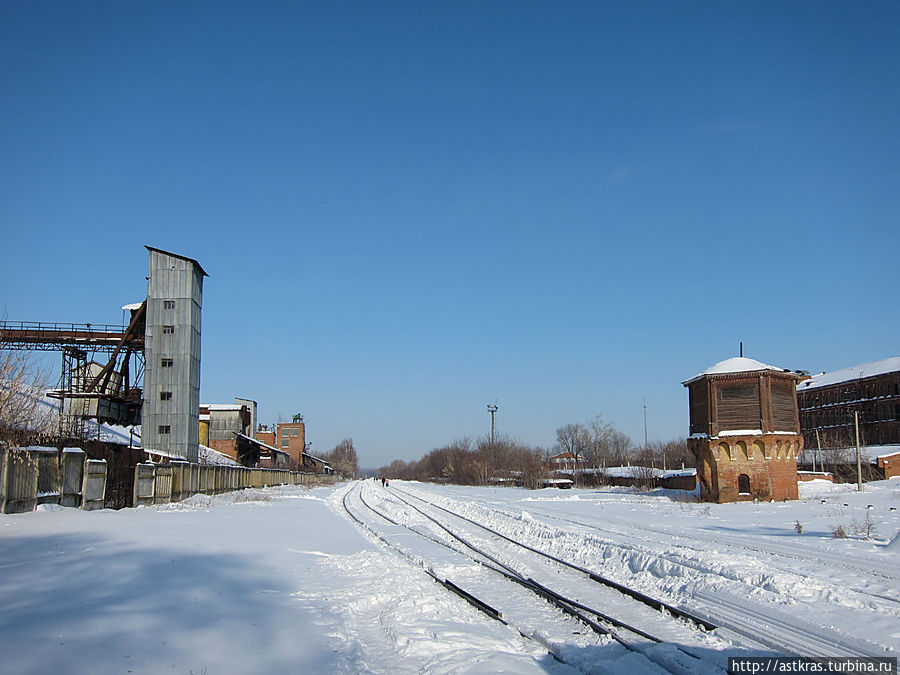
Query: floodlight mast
x=492 y=408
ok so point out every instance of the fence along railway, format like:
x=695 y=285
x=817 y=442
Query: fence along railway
x=683 y=648
x=743 y=621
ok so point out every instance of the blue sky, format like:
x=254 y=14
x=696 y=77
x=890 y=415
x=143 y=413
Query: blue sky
x=409 y=210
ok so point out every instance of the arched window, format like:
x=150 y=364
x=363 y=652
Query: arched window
x=744 y=484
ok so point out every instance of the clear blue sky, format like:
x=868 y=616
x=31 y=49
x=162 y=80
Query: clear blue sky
x=411 y=209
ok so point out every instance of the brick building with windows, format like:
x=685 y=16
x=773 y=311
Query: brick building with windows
x=290 y=437
x=828 y=401
x=745 y=431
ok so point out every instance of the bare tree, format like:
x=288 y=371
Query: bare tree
x=573 y=438
x=23 y=410
x=343 y=458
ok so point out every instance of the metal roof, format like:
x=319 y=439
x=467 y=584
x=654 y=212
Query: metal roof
x=177 y=255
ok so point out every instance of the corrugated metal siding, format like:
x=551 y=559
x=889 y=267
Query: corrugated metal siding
x=179 y=280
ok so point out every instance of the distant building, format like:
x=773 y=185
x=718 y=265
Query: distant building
x=265 y=434
x=220 y=425
x=828 y=402
x=290 y=437
x=566 y=461
x=252 y=409
x=745 y=431
x=889 y=461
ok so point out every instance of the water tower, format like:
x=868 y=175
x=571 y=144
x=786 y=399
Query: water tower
x=745 y=431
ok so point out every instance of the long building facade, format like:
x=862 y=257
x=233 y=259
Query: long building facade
x=830 y=402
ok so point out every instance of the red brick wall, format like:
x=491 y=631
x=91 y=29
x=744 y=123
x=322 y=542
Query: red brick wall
x=890 y=465
x=772 y=469
x=296 y=443
x=225 y=447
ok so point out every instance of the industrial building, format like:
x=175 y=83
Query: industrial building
x=171 y=409
x=832 y=403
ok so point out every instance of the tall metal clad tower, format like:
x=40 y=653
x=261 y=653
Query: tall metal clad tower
x=171 y=411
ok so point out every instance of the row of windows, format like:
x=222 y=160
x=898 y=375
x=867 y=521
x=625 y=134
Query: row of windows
x=871 y=414
x=856 y=392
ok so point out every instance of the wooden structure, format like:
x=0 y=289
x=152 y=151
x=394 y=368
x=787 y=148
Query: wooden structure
x=745 y=431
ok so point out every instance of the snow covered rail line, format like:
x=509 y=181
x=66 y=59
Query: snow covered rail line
x=676 y=652
x=636 y=595
x=740 y=594
x=672 y=658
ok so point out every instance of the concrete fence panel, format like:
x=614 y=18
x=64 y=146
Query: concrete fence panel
x=162 y=484
x=207 y=481
x=144 y=481
x=33 y=476
x=71 y=471
x=20 y=484
x=93 y=490
x=47 y=475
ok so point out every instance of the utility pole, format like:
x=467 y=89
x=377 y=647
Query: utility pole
x=816 y=453
x=858 y=460
x=492 y=408
x=646 y=442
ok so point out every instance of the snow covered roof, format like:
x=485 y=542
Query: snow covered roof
x=738 y=364
x=222 y=406
x=258 y=442
x=852 y=373
x=214 y=457
x=133 y=306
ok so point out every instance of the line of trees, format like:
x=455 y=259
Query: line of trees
x=465 y=462
x=596 y=444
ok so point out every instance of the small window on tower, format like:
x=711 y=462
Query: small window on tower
x=168 y=304
x=165 y=429
x=168 y=330
x=166 y=363
x=165 y=396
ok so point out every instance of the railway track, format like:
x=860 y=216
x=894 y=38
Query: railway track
x=749 y=620
x=665 y=652
x=619 y=536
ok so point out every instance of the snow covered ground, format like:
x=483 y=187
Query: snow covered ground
x=282 y=580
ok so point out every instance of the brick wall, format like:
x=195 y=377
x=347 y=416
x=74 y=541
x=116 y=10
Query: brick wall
x=769 y=463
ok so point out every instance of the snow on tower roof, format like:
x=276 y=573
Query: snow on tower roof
x=852 y=373
x=738 y=364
